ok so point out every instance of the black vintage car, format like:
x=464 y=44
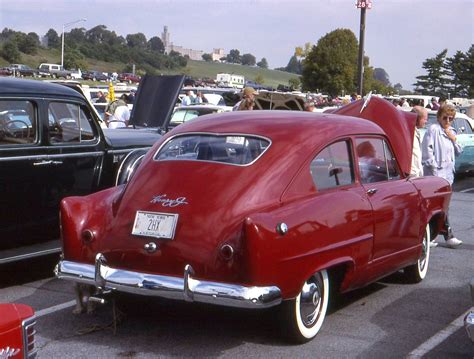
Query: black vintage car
x=52 y=146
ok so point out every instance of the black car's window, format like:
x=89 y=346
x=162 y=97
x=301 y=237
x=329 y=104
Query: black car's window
x=376 y=161
x=68 y=123
x=332 y=167
x=232 y=149
x=18 y=122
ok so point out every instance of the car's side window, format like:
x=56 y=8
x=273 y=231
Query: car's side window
x=462 y=126
x=332 y=167
x=376 y=161
x=68 y=123
x=18 y=122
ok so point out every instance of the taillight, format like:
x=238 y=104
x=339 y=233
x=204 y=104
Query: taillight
x=29 y=332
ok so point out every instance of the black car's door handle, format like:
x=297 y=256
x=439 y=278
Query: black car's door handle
x=47 y=163
x=371 y=191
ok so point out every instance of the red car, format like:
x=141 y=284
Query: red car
x=256 y=209
x=17 y=331
x=129 y=78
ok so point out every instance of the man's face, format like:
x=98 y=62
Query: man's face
x=422 y=121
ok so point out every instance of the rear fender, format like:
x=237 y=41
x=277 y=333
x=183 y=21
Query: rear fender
x=128 y=166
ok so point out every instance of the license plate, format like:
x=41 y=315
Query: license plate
x=154 y=224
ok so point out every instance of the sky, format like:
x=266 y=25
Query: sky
x=399 y=34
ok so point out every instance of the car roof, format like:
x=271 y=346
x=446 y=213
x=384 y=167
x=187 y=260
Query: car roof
x=13 y=86
x=289 y=127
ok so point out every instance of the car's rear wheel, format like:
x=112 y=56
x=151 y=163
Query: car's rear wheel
x=417 y=272
x=302 y=317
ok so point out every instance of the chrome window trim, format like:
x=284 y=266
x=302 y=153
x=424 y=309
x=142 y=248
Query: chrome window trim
x=38 y=134
x=236 y=134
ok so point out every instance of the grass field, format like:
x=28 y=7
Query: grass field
x=196 y=69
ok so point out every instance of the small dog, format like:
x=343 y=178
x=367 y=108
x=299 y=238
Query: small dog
x=83 y=304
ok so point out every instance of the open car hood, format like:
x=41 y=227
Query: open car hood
x=155 y=100
x=397 y=124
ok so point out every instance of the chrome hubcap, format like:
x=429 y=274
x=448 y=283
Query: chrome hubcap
x=310 y=300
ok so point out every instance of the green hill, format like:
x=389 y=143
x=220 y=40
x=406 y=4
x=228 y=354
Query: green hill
x=196 y=69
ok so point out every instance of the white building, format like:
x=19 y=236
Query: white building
x=169 y=46
x=230 y=80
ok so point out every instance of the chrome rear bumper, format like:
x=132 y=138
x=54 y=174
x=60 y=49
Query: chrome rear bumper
x=189 y=289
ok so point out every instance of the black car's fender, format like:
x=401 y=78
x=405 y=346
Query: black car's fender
x=128 y=166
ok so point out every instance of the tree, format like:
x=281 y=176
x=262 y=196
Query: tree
x=53 y=39
x=136 y=40
x=155 y=44
x=398 y=87
x=331 y=65
x=234 y=57
x=248 y=59
x=263 y=63
x=294 y=65
x=75 y=36
x=382 y=76
x=294 y=83
x=435 y=82
x=459 y=69
x=207 y=57
x=10 y=51
x=259 y=79
x=28 y=43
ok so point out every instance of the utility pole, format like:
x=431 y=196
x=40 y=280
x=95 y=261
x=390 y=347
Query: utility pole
x=363 y=5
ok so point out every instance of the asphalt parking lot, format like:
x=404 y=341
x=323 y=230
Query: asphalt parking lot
x=387 y=319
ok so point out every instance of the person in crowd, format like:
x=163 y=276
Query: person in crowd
x=117 y=113
x=247 y=102
x=439 y=149
x=309 y=106
x=101 y=97
x=434 y=105
x=200 y=98
x=353 y=97
x=421 y=120
x=403 y=103
x=189 y=99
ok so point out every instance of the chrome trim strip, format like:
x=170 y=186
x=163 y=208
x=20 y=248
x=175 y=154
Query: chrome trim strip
x=186 y=288
x=48 y=156
x=129 y=150
x=30 y=255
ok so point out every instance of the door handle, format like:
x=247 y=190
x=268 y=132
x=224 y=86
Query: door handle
x=42 y=163
x=47 y=163
x=372 y=191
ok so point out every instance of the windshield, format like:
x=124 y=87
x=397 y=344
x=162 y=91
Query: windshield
x=231 y=149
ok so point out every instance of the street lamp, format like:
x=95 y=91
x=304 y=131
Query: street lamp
x=62 y=42
x=362 y=5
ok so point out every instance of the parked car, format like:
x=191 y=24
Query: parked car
x=128 y=77
x=52 y=146
x=23 y=70
x=469 y=319
x=464 y=127
x=258 y=209
x=17 y=331
x=5 y=71
x=187 y=113
x=53 y=70
x=95 y=76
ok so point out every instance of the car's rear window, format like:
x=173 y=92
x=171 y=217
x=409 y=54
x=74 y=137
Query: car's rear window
x=231 y=149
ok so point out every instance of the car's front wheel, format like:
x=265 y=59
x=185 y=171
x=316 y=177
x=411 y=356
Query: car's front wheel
x=417 y=272
x=302 y=317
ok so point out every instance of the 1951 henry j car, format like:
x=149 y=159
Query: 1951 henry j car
x=17 y=331
x=256 y=209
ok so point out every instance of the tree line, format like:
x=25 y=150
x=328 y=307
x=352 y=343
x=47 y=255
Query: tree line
x=97 y=43
x=234 y=57
x=330 y=67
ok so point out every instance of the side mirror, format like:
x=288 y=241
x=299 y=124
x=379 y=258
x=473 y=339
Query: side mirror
x=335 y=171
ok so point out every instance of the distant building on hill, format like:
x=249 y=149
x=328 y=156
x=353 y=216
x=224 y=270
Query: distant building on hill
x=218 y=54
x=169 y=46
